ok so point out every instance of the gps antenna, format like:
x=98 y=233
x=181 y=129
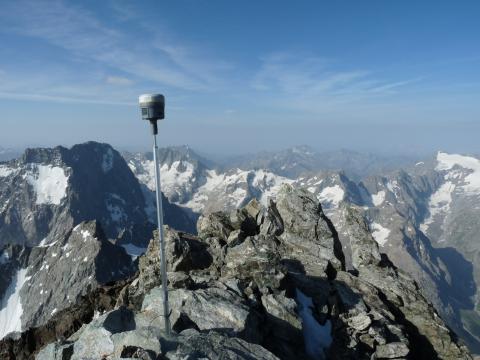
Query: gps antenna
x=152 y=107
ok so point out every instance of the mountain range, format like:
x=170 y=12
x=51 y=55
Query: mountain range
x=97 y=206
x=422 y=212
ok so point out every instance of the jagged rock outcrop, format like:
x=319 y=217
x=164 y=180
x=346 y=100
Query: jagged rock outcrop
x=400 y=294
x=267 y=297
x=58 y=274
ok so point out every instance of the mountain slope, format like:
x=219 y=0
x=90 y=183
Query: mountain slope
x=257 y=295
x=46 y=192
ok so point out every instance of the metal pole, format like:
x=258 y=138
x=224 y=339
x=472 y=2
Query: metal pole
x=163 y=264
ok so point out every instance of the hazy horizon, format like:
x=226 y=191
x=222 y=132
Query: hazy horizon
x=221 y=156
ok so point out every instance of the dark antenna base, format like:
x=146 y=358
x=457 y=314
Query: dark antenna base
x=154 y=127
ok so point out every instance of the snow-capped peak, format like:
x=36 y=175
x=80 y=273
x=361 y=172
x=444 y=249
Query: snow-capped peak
x=471 y=181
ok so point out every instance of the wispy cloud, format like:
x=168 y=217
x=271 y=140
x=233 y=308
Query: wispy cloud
x=119 y=61
x=153 y=60
x=312 y=83
x=60 y=99
x=118 y=80
x=388 y=87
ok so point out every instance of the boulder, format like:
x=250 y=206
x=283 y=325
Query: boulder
x=392 y=350
x=308 y=235
x=212 y=345
x=203 y=309
x=215 y=224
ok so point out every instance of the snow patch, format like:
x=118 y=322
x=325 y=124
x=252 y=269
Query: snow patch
x=378 y=198
x=11 y=307
x=317 y=338
x=331 y=196
x=48 y=182
x=6 y=171
x=268 y=184
x=85 y=234
x=393 y=187
x=43 y=243
x=472 y=180
x=231 y=188
x=439 y=204
x=379 y=233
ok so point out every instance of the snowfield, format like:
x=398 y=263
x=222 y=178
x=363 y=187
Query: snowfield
x=11 y=307
x=48 y=182
x=378 y=198
x=379 y=233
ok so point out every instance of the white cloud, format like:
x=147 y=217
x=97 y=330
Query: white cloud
x=118 y=80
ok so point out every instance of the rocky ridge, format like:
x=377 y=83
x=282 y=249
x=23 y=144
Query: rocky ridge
x=422 y=217
x=263 y=282
x=57 y=275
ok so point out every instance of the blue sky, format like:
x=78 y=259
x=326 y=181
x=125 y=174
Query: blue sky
x=241 y=76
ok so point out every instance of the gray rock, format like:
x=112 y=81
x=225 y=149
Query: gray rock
x=393 y=350
x=94 y=344
x=360 y=322
x=194 y=345
x=364 y=248
x=206 y=309
x=236 y=237
x=145 y=338
x=56 y=351
x=308 y=236
x=282 y=308
x=184 y=253
x=215 y=224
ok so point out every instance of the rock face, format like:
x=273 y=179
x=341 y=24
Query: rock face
x=307 y=233
x=263 y=296
x=46 y=192
x=418 y=323
x=59 y=274
x=397 y=209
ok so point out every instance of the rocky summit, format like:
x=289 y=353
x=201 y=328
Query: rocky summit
x=260 y=282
